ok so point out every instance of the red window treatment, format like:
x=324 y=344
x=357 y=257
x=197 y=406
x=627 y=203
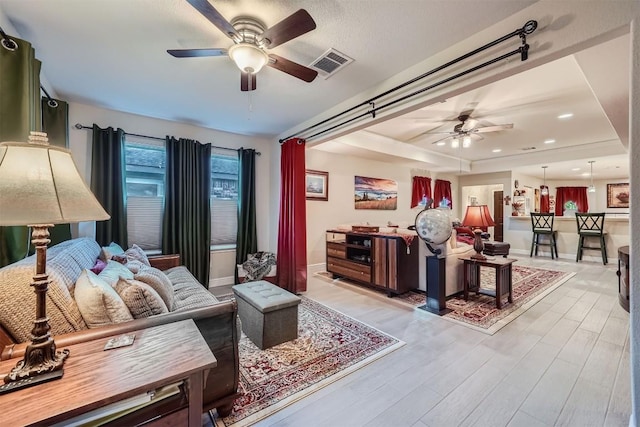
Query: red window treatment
x=421 y=187
x=442 y=189
x=544 y=200
x=575 y=194
x=292 y=225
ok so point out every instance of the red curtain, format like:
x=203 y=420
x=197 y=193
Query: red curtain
x=575 y=194
x=544 y=200
x=421 y=187
x=292 y=225
x=442 y=189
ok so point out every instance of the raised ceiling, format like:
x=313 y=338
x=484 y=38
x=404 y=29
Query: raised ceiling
x=591 y=85
x=113 y=54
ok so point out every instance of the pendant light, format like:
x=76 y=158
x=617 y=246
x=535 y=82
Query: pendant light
x=544 y=191
x=592 y=188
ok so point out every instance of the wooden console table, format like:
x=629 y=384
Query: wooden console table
x=93 y=377
x=504 y=283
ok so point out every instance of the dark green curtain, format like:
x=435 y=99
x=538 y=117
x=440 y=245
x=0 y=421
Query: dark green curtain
x=108 y=184
x=55 y=122
x=247 y=241
x=186 y=223
x=19 y=114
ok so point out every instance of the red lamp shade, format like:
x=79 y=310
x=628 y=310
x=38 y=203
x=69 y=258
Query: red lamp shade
x=478 y=216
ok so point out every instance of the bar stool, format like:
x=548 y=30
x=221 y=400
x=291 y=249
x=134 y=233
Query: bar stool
x=542 y=225
x=591 y=225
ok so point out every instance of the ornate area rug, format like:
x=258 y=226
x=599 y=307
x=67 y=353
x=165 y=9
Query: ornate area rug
x=329 y=346
x=530 y=285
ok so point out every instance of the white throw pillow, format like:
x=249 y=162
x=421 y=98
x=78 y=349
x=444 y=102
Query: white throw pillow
x=136 y=253
x=159 y=282
x=108 y=251
x=114 y=271
x=98 y=302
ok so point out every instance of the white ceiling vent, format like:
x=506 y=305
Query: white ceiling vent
x=330 y=63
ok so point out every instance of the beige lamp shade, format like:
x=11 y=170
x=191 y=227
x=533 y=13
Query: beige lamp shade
x=40 y=184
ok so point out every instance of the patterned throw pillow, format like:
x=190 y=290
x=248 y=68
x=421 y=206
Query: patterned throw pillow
x=135 y=253
x=140 y=298
x=159 y=282
x=98 y=302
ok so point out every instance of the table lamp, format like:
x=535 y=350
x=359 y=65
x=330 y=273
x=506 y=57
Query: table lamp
x=40 y=186
x=478 y=216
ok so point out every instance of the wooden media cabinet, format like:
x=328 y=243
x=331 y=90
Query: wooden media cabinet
x=380 y=260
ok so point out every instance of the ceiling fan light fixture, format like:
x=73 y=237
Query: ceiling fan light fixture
x=466 y=142
x=248 y=57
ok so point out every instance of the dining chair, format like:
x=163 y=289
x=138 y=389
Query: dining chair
x=591 y=225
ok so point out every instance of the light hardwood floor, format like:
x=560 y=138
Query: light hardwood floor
x=565 y=362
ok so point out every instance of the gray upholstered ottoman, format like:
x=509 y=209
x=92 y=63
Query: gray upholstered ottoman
x=269 y=314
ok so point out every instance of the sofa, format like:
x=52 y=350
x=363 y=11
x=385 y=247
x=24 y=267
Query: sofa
x=68 y=262
x=454 y=268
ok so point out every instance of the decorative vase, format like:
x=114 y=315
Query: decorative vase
x=570 y=212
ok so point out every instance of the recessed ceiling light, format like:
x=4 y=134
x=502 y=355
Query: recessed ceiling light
x=441 y=143
x=496 y=150
x=565 y=116
x=549 y=141
x=575 y=169
x=585 y=174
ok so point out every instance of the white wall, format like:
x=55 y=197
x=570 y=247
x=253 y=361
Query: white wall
x=340 y=208
x=223 y=262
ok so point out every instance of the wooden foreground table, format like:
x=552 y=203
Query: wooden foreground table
x=94 y=377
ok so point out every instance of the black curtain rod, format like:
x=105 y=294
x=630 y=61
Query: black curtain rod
x=79 y=126
x=528 y=28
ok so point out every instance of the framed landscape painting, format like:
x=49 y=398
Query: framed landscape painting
x=618 y=195
x=317 y=185
x=376 y=193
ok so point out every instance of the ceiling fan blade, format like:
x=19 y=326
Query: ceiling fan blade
x=494 y=128
x=247 y=81
x=193 y=53
x=469 y=124
x=442 y=139
x=209 y=12
x=289 y=28
x=292 y=68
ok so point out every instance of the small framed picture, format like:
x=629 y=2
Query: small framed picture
x=317 y=185
x=618 y=195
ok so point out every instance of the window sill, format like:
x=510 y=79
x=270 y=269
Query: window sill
x=221 y=248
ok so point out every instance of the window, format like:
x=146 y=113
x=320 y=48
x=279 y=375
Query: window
x=145 y=172
x=145 y=175
x=224 y=198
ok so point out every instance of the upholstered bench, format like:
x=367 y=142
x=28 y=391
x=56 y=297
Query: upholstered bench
x=269 y=314
x=496 y=248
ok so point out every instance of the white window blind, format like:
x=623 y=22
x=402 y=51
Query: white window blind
x=144 y=221
x=145 y=171
x=224 y=197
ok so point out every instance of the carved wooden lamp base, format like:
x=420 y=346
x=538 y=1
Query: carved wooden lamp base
x=41 y=362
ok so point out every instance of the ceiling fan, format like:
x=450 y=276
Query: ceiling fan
x=464 y=130
x=251 y=39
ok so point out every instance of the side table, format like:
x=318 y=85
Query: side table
x=94 y=377
x=472 y=281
